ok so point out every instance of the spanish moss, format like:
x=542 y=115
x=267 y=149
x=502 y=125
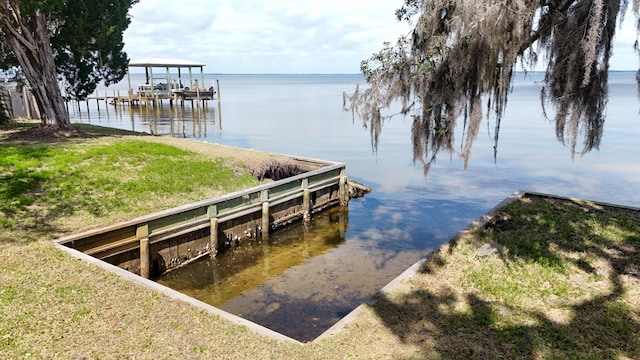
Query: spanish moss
x=462 y=54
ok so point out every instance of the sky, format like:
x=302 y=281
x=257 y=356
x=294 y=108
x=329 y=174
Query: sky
x=283 y=36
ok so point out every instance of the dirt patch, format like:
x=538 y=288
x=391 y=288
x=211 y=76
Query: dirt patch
x=263 y=165
x=33 y=133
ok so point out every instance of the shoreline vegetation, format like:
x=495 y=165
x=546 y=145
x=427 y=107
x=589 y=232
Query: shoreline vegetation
x=544 y=278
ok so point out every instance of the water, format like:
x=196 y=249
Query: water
x=405 y=216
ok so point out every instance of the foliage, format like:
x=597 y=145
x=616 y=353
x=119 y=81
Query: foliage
x=463 y=52
x=86 y=37
x=80 y=40
x=7 y=58
x=88 y=44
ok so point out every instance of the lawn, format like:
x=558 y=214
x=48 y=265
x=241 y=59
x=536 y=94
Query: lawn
x=544 y=278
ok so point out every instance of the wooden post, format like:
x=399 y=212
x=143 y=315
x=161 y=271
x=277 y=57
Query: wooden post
x=306 y=204
x=130 y=91
x=212 y=213
x=142 y=233
x=169 y=84
x=264 y=195
x=265 y=219
x=213 y=241
x=343 y=192
x=306 y=200
x=202 y=76
x=219 y=104
x=175 y=93
x=106 y=100
x=343 y=216
x=197 y=94
x=145 y=266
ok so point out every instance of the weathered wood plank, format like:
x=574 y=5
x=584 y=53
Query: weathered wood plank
x=252 y=212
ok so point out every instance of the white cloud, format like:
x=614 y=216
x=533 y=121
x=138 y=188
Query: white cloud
x=624 y=57
x=281 y=36
x=251 y=36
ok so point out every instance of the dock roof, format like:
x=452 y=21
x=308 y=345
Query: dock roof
x=164 y=62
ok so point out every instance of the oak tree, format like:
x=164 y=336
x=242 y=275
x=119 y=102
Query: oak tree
x=78 y=42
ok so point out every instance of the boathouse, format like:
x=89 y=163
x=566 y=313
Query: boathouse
x=164 y=84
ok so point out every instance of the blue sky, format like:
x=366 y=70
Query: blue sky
x=283 y=36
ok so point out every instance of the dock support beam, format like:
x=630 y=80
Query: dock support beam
x=343 y=192
x=142 y=233
x=265 y=219
x=306 y=204
x=145 y=263
x=213 y=242
x=219 y=103
x=264 y=196
x=306 y=200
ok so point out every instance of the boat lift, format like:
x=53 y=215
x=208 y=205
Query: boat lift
x=172 y=88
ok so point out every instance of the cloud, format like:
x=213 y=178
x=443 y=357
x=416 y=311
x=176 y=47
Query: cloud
x=624 y=56
x=283 y=36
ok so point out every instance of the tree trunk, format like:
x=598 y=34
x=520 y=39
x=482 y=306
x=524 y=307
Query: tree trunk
x=30 y=42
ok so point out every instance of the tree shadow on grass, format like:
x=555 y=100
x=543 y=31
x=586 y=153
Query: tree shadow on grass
x=23 y=183
x=33 y=134
x=448 y=323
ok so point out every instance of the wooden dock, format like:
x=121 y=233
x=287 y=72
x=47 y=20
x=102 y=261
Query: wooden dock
x=156 y=90
x=142 y=98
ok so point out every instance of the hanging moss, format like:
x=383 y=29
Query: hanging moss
x=463 y=52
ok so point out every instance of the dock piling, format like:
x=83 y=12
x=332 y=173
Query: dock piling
x=344 y=190
x=265 y=219
x=219 y=103
x=142 y=233
x=214 y=237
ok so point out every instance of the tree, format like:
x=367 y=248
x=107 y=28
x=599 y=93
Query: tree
x=463 y=52
x=4 y=118
x=79 y=41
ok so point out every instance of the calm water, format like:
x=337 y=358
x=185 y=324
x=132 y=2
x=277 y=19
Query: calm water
x=331 y=269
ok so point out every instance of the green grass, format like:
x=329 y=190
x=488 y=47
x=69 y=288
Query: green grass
x=43 y=182
x=565 y=285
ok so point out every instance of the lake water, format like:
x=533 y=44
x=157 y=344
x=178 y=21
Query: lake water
x=407 y=214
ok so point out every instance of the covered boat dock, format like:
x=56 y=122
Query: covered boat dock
x=166 y=86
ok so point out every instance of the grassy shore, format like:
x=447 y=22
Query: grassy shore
x=545 y=278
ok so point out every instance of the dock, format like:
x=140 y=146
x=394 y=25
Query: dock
x=168 y=87
x=177 y=97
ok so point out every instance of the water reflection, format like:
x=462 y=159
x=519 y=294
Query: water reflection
x=249 y=263
x=406 y=215
x=254 y=278
x=188 y=120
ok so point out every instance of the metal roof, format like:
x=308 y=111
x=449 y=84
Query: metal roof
x=164 y=62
